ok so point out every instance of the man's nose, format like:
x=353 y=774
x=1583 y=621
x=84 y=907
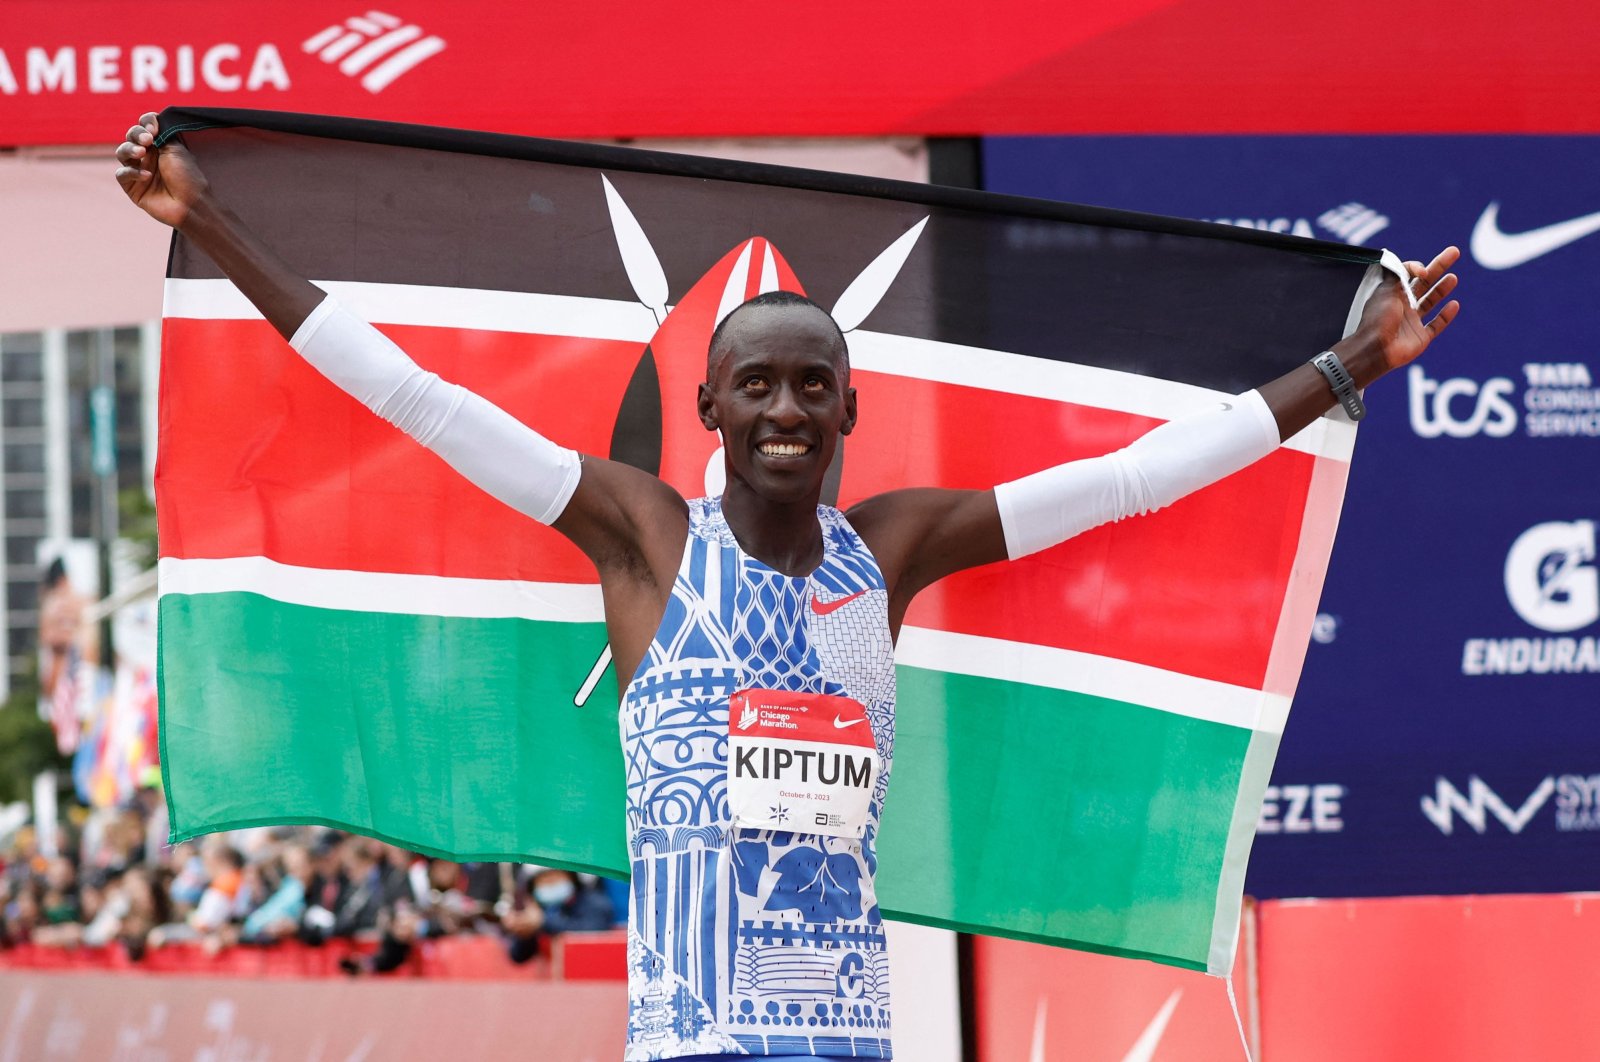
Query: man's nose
x=785 y=409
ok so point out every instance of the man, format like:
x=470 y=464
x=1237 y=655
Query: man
x=558 y=903
x=757 y=628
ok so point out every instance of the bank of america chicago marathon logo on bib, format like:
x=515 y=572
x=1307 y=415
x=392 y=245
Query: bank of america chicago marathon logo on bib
x=800 y=761
x=1552 y=583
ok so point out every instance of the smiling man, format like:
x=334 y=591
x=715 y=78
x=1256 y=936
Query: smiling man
x=756 y=629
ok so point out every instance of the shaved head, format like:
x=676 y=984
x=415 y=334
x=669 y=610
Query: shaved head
x=726 y=333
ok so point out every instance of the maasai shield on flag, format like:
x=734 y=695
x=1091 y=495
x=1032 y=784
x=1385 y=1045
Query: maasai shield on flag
x=352 y=634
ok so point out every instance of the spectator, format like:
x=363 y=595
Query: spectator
x=59 y=902
x=278 y=917
x=144 y=908
x=190 y=880
x=22 y=914
x=224 y=869
x=373 y=884
x=560 y=905
x=109 y=889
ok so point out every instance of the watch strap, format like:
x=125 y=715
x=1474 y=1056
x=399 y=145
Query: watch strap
x=1344 y=386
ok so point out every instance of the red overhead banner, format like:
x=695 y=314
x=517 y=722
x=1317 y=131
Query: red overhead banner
x=80 y=72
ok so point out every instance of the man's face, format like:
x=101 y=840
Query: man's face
x=780 y=395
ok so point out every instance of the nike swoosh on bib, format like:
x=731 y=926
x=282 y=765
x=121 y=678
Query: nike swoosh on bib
x=822 y=608
x=840 y=724
x=1495 y=249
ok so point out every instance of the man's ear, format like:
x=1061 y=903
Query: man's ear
x=706 y=406
x=849 y=424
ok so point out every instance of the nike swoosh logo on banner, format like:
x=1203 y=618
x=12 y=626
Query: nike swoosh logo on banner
x=840 y=724
x=1502 y=250
x=822 y=608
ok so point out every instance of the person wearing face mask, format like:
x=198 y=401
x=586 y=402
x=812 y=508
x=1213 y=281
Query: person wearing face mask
x=560 y=904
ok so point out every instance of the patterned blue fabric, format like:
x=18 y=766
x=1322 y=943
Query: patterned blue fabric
x=752 y=942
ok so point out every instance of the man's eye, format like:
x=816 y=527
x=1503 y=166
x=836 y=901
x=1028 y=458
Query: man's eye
x=753 y=381
x=815 y=383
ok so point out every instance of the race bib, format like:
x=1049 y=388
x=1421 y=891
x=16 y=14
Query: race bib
x=800 y=761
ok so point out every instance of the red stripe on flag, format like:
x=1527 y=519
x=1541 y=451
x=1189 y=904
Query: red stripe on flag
x=1196 y=588
x=261 y=456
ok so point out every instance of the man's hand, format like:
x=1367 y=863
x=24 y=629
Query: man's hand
x=167 y=184
x=163 y=182
x=1391 y=333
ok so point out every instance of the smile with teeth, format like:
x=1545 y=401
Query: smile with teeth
x=782 y=449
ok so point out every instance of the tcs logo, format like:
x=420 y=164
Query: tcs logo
x=1460 y=407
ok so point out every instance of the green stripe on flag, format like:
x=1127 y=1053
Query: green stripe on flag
x=1069 y=818
x=440 y=739
x=1123 y=811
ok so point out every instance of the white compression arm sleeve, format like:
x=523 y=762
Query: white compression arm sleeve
x=480 y=440
x=1156 y=470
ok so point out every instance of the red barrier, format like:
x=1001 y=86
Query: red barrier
x=71 y=1016
x=1040 y=1004
x=1431 y=979
x=580 y=957
x=590 y=956
x=1424 y=979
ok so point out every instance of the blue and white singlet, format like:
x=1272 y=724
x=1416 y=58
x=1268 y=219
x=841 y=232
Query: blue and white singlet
x=745 y=941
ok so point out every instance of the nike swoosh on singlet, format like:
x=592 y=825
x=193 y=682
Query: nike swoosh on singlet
x=822 y=608
x=1494 y=249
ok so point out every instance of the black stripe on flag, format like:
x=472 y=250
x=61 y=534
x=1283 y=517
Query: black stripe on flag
x=346 y=199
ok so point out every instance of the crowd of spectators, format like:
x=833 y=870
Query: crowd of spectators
x=116 y=883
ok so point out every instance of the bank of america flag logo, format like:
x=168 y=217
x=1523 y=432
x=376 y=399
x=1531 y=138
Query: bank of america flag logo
x=377 y=47
x=1354 y=223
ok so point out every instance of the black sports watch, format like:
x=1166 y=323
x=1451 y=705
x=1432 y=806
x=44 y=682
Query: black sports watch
x=1344 y=386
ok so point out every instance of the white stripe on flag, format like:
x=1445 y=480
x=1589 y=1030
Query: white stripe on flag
x=1095 y=676
x=414 y=304
x=1065 y=381
x=425 y=595
x=570 y=315
x=965 y=654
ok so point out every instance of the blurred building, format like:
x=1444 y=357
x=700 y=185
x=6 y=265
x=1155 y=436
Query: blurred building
x=52 y=491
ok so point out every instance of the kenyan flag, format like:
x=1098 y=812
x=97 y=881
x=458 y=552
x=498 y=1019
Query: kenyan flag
x=351 y=634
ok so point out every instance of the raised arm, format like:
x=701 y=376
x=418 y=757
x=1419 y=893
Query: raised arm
x=920 y=536
x=621 y=517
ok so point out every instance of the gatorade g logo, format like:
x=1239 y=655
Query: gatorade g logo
x=1550 y=576
x=1459 y=407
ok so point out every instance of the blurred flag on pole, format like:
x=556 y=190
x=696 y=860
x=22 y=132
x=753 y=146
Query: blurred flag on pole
x=353 y=635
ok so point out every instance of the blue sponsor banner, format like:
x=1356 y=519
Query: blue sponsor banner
x=1446 y=733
